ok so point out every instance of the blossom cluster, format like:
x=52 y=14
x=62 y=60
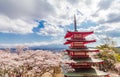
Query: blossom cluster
x=30 y=63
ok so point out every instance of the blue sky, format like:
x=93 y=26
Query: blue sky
x=45 y=22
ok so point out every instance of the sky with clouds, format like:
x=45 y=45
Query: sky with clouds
x=45 y=22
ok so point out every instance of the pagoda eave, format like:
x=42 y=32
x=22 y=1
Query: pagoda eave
x=76 y=40
x=89 y=73
x=82 y=41
x=85 y=50
x=79 y=56
x=69 y=33
x=88 y=60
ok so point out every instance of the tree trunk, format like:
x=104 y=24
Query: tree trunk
x=56 y=71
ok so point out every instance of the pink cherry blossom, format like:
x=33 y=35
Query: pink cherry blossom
x=31 y=63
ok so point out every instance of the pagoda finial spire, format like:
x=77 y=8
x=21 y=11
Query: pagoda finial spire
x=75 y=26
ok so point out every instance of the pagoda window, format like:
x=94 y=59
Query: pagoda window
x=79 y=53
x=79 y=64
x=77 y=36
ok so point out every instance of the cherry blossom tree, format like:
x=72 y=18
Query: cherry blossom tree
x=117 y=67
x=31 y=63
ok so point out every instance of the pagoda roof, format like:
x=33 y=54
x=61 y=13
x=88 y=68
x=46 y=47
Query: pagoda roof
x=86 y=72
x=70 y=33
x=86 y=50
x=83 y=41
x=88 y=60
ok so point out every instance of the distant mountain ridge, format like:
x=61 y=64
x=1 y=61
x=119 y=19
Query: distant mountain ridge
x=51 y=48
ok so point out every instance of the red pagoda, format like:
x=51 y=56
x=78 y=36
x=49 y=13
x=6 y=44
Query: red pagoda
x=84 y=66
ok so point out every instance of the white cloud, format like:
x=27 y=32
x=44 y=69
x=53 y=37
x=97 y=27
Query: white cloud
x=25 y=8
x=19 y=26
x=58 y=12
x=17 y=8
x=18 y=16
x=43 y=43
x=105 y=4
x=51 y=30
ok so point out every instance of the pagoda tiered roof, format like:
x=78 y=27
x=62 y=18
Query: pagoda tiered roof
x=91 y=72
x=70 y=33
x=83 y=56
x=82 y=41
